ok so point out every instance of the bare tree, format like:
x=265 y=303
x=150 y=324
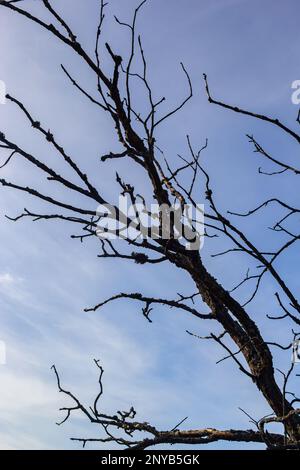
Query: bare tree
x=136 y=134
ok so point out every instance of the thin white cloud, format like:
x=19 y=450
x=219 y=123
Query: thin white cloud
x=6 y=278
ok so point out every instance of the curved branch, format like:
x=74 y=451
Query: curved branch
x=151 y=300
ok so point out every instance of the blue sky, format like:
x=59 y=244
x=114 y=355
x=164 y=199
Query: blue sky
x=249 y=51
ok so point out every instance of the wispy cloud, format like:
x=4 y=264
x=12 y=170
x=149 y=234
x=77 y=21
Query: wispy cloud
x=6 y=279
x=46 y=279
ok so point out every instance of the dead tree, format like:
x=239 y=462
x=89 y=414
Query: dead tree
x=136 y=134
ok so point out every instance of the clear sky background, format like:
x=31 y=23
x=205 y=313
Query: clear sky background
x=250 y=52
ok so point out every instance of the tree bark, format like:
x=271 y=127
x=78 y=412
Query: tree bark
x=245 y=334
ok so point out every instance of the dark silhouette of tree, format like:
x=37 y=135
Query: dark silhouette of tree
x=136 y=135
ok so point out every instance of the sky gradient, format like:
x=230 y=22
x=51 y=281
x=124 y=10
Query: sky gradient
x=249 y=51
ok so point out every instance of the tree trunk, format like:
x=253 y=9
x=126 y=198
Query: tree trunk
x=245 y=334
